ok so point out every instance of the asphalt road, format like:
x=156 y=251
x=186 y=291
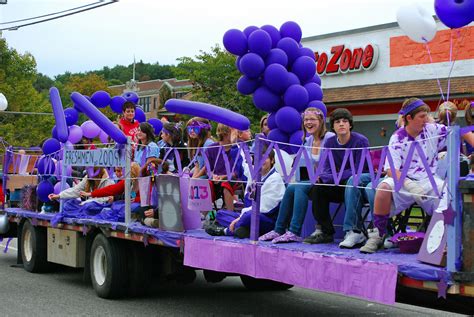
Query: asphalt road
x=64 y=293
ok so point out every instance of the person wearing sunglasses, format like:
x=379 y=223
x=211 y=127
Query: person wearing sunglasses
x=199 y=136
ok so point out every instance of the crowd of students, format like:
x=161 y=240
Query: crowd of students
x=191 y=148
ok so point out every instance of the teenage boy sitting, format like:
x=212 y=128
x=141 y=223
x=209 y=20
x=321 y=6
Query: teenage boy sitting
x=416 y=186
x=321 y=194
x=127 y=123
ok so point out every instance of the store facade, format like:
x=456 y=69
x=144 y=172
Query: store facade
x=372 y=70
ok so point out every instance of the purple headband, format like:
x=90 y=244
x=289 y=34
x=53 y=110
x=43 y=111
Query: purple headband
x=315 y=112
x=166 y=131
x=412 y=106
x=202 y=125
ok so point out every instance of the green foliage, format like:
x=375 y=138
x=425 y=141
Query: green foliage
x=17 y=78
x=215 y=76
x=165 y=94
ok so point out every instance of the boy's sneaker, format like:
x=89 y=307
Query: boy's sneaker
x=215 y=230
x=269 y=236
x=352 y=239
x=372 y=245
x=151 y=222
x=319 y=238
x=287 y=237
x=242 y=232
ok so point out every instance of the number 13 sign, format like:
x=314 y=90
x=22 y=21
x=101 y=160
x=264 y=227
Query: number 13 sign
x=199 y=195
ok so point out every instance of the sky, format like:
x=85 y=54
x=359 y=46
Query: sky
x=162 y=31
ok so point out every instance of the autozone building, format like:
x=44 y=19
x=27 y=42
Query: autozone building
x=372 y=70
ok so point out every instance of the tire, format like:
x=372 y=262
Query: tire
x=214 y=276
x=257 y=284
x=108 y=266
x=139 y=268
x=34 y=248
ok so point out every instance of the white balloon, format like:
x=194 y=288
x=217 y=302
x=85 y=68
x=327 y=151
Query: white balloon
x=417 y=23
x=3 y=102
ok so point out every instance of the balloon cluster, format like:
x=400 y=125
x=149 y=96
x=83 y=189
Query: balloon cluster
x=419 y=24
x=279 y=73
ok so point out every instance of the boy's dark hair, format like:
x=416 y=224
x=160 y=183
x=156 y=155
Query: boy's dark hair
x=341 y=113
x=128 y=105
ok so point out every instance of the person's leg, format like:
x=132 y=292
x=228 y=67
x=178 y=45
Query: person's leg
x=228 y=199
x=354 y=199
x=286 y=209
x=322 y=197
x=225 y=217
x=300 y=207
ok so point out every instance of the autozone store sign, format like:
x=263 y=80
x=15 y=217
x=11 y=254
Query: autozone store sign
x=343 y=59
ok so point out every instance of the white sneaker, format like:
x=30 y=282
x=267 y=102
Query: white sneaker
x=387 y=244
x=352 y=240
x=372 y=245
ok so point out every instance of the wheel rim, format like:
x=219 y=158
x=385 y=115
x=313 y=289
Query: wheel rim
x=100 y=265
x=28 y=245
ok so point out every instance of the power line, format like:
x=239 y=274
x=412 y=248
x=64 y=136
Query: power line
x=16 y=27
x=49 y=14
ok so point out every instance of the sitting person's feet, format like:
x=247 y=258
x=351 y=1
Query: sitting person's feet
x=372 y=245
x=319 y=237
x=287 y=237
x=352 y=240
x=215 y=230
x=269 y=236
x=151 y=222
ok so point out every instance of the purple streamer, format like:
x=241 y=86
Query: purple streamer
x=437 y=79
x=427 y=168
x=7 y=245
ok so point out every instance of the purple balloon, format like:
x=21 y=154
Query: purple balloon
x=276 y=56
x=51 y=146
x=291 y=29
x=273 y=32
x=75 y=134
x=276 y=78
x=131 y=96
x=304 y=67
x=278 y=136
x=58 y=111
x=314 y=91
x=306 y=51
x=43 y=190
x=99 y=118
x=90 y=130
x=116 y=104
x=260 y=42
x=252 y=65
x=288 y=120
x=57 y=187
x=297 y=97
x=54 y=132
x=237 y=63
x=235 y=42
x=156 y=124
x=271 y=121
x=455 y=13
x=319 y=105
x=140 y=115
x=103 y=137
x=293 y=79
x=100 y=99
x=249 y=30
x=71 y=115
x=291 y=48
x=316 y=79
x=69 y=145
x=247 y=86
x=46 y=166
x=296 y=138
x=264 y=99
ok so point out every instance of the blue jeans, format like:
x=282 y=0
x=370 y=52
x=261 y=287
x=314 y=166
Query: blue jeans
x=293 y=208
x=354 y=199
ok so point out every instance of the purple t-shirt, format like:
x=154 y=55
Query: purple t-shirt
x=357 y=140
x=217 y=163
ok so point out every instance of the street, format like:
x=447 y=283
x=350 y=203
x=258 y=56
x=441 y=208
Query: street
x=64 y=293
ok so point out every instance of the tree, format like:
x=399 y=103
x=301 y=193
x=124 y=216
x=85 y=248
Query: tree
x=214 y=78
x=43 y=83
x=165 y=94
x=17 y=78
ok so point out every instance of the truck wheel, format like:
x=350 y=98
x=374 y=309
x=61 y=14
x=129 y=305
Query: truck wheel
x=33 y=248
x=108 y=266
x=258 y=284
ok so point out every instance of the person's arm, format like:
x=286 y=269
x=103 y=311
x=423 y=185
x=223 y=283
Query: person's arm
x=469 y=138
x=111 y=190
x=74 y=192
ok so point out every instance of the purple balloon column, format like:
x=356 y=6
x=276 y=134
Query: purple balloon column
x=279 y=73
